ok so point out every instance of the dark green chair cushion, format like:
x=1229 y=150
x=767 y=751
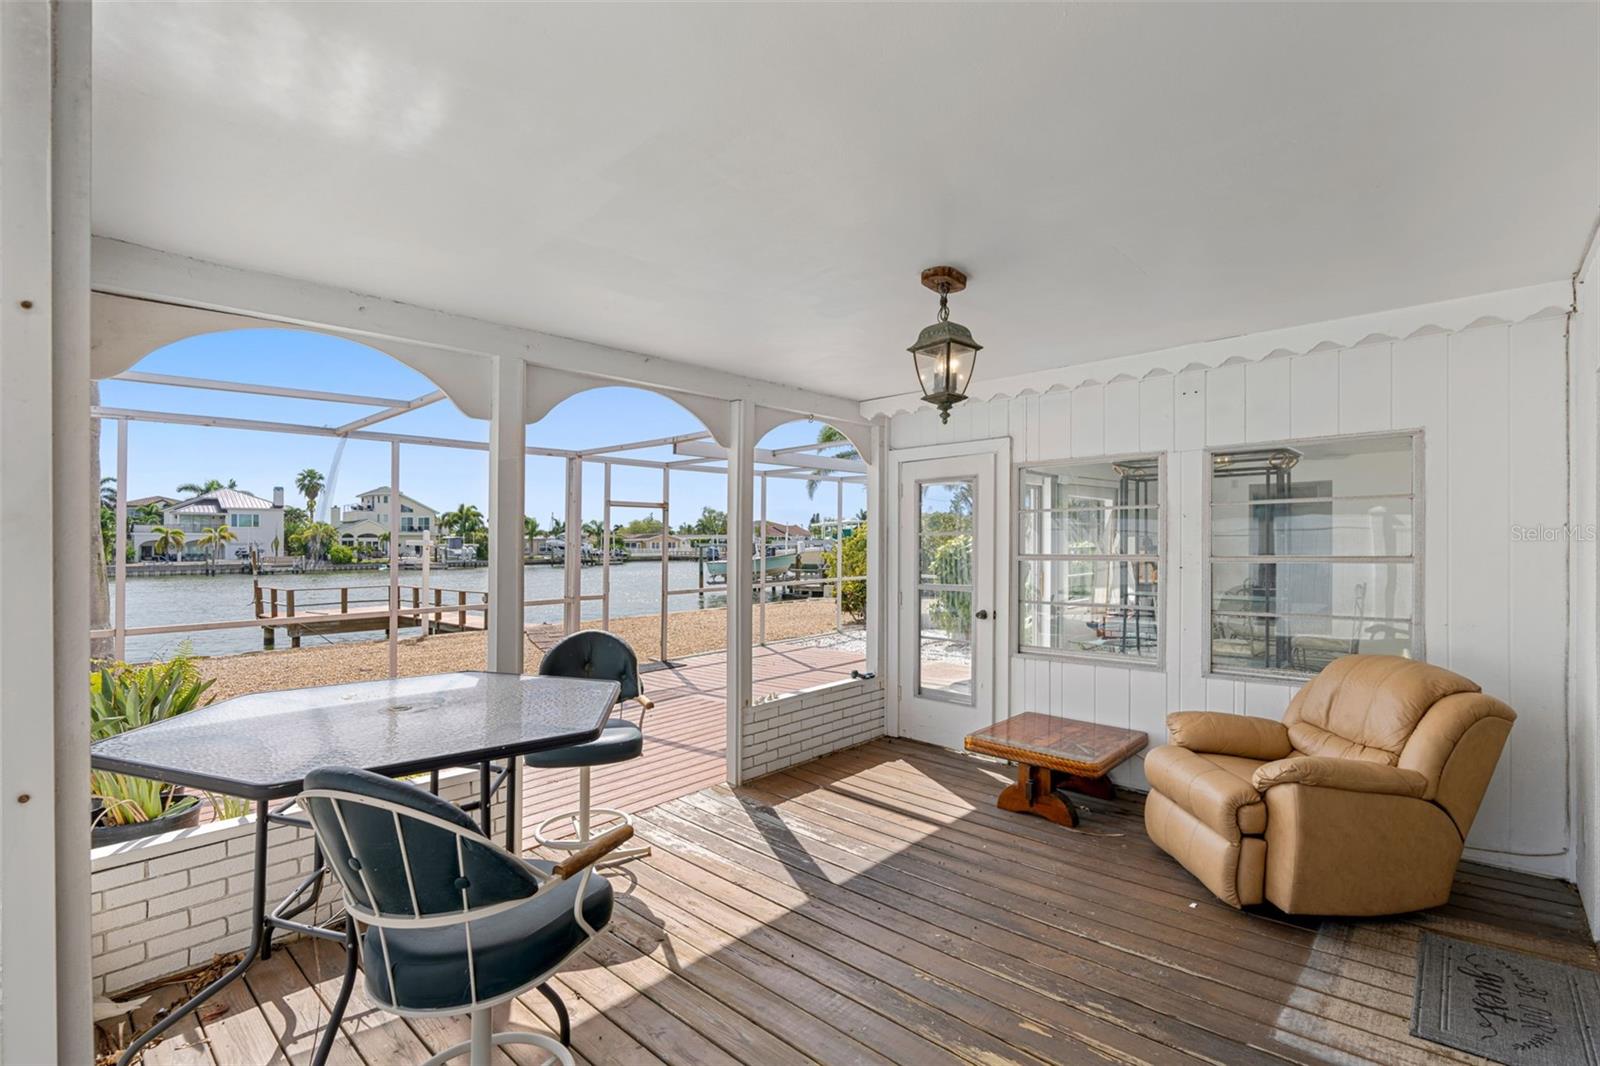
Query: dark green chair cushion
x=509 y=949
x=594 y=653
x=619 y=741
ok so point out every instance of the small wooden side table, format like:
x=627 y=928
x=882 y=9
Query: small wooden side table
x=1053 y=753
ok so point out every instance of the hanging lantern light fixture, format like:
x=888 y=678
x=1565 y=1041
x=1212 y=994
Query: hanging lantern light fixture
x=945 y=352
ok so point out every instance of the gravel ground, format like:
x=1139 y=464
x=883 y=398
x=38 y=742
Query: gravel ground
x=688 y=633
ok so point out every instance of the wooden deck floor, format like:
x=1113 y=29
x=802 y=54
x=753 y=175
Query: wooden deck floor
x=874 y=907
x=686 y=732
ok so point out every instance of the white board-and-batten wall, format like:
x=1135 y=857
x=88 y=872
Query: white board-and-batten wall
x=1491 y=403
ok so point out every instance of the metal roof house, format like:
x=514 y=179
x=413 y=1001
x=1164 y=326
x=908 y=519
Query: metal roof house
x=1290 y=356
x=256 y=524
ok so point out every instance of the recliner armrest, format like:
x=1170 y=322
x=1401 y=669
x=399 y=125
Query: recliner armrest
x=1350 y=775
x=1214 y=733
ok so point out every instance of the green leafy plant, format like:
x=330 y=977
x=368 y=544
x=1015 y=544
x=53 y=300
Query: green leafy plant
x=124 y=697
x=854 y=593
x=341 y=554
x=952 y=563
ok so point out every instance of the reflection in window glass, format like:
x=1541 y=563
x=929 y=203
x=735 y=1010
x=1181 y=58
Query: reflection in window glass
x=1089 y=558
x=944 y=590
x=1312 y=553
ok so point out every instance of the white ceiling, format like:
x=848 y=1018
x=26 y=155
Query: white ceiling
x=757 y=187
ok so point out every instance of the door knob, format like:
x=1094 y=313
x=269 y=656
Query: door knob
x=983 y=616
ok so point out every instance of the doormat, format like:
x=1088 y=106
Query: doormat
x=1506 y=1006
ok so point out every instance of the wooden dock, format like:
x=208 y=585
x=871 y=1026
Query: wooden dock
x=364 y=608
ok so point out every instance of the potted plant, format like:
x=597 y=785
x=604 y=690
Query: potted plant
x=124 y=697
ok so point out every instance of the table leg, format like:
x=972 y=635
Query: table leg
x=485 y=811
x=259 y=940
x=513 y=808
x=1098 y=787
x=1034 y=794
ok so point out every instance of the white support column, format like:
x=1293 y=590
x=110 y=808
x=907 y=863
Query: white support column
x=119 y=607
x=394 y=559
x=74 y=541
x=508 y=459
x=44 y=500
x=605 y=557
x=838 y=559
x=666 y=531
x=741 y=489
x=878 y=509
x=761 y=567
x=573 y=576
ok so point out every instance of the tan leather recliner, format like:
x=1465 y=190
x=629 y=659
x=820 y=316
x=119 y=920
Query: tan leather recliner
x=1357 y=803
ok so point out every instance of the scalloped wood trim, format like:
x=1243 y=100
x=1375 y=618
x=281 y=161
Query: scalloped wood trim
x=1552 y=299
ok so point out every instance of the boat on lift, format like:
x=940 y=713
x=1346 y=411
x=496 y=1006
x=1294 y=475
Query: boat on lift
x=777 y=562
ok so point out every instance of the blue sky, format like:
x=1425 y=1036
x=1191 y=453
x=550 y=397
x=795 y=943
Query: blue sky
x=160 y=457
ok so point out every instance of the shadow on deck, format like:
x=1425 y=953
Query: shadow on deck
x=874 y=907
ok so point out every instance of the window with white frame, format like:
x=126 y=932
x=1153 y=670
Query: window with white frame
x=1313 y=553
x=244 y=521
x=1089 y=562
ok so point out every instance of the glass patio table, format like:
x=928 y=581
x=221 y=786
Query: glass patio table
x=260 y=747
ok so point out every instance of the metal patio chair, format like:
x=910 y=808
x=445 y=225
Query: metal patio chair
x=593 y=653
x=449 y=921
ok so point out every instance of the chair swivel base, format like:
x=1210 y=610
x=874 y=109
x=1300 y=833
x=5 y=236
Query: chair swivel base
x=560 y=1054
x=544 y=832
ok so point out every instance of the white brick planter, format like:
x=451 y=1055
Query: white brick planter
x=808 y=724
x=165 y=903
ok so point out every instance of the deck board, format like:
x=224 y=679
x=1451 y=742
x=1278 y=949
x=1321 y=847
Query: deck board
x=874 y=907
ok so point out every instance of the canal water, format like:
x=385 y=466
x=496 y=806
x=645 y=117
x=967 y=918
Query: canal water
x=160 y=601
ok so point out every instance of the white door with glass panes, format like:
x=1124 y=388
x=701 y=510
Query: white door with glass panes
x=947 y=597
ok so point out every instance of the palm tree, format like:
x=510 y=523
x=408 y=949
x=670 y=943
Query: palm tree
x=595 y=530
x=828 y=435
x=215 y=540
x=310 y=484
x=195 y=488
x=558 y=528
x=149 y=514
x=169 y=540
x=464 y=521
x=316 y=536
x=108 y=492
x=531 y=528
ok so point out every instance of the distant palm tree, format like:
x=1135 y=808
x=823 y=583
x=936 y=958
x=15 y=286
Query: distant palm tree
x=317 y=536
x=169 y=540
x=828 y=435
x=108 y=492
x=195 y=488
x=595 y=530
x=215 y=540
x=464 y=521
x=531 y=528
x=149 y=514
x=558 y=528
x=310 y=484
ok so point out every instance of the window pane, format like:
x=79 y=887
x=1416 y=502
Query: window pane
x=1085 y=603
x=1361 y=590
x=1301 y=644
x=1103 y=629
x=1091 y=531
x=1337 y=527
x=945 y=506
x=944 y=653
x=1073 y=581
x=1069 y=485
x=1356 y=466
x=945 y=558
